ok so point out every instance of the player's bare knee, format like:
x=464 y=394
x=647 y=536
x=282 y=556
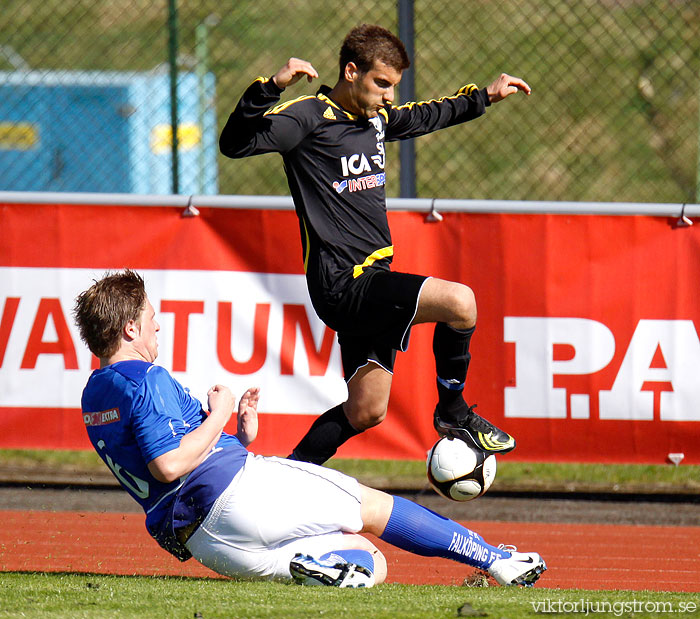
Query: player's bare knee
x=363 y=417
x=463 y=303
x=374 y=416
x=370 y=417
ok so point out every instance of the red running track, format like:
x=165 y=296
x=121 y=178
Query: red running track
x=579 y=556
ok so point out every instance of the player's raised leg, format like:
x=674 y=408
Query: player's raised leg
x=452 y=307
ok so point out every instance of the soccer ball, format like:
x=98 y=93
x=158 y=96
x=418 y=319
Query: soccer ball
x=459 y=472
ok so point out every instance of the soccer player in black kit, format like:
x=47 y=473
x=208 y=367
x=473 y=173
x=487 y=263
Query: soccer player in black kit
x=332 y=145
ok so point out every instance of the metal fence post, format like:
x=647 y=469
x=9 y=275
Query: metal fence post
x=172 y=62
x=407 y=92
x=201 y=35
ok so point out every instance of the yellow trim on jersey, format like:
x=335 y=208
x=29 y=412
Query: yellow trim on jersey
x=384 y=252
x=384 y=113
x=468 y=89
x=465 y=90
x=329 y=101
x=283 y=106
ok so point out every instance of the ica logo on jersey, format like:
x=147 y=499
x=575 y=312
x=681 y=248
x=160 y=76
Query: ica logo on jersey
x=355 y=164
x=358 y=163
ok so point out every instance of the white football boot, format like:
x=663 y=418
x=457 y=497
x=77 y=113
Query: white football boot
x=521 y=568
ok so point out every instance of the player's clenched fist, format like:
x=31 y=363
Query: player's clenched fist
x=293 y=71
x=221 y=402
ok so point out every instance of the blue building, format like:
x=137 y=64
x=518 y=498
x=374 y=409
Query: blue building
x=105 y=132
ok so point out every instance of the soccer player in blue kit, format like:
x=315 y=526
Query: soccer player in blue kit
x=333 y=148
x=242 y=515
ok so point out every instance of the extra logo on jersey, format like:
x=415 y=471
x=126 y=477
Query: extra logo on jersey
x=101 y=418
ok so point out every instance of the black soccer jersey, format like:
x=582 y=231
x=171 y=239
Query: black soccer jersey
x=334 y=162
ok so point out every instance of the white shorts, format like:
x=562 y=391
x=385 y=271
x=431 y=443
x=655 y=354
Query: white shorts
x=272 y=509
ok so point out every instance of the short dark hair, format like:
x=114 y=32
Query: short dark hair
x=102 y=311
x=368 y=43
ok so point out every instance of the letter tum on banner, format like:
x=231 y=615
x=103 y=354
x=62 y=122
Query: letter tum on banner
x=679 y=344
x=237 y=324
x=534 y=394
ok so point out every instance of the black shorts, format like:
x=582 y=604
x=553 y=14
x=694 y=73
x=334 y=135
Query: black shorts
x=374 y=318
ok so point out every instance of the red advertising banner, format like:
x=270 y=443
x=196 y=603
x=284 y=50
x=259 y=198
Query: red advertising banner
x=586 y=348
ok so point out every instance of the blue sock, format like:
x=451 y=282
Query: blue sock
x=363 y=558
x=414 y=528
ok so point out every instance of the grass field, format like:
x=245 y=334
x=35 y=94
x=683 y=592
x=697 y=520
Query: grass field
x=88 y=595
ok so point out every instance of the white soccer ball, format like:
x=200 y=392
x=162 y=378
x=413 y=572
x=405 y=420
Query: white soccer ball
x=458 y=471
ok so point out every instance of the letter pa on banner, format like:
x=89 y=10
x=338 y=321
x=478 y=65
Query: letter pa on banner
x=586 y=347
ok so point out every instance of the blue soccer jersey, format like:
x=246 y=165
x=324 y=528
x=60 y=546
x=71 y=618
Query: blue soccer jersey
x=135 y=411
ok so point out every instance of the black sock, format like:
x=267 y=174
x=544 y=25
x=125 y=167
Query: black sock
x=324 y=437
x=451 y=350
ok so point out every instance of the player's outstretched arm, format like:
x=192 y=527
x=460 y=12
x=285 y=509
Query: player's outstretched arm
x=293 y=71
x=248 y=416
x=505 y=85
x=249 y=132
